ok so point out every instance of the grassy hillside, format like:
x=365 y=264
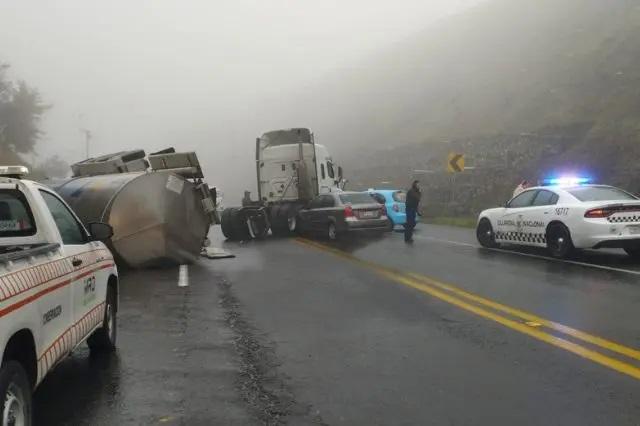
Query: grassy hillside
x=524 y=88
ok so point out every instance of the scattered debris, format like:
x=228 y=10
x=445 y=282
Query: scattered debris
x=215 y=253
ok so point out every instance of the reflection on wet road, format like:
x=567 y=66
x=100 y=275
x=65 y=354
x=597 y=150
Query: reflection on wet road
x=369 y=331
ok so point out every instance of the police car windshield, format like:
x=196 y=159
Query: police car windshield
x=357 y=198
x=600 y=193
x=16 y=219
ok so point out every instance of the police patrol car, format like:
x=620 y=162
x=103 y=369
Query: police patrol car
x=565 y=214
x=58 y=289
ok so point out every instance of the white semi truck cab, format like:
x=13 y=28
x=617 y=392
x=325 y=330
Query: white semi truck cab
x=58 y=289
x=291 y=169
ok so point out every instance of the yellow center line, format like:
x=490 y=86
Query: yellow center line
x=445 y=293
x=531 y=318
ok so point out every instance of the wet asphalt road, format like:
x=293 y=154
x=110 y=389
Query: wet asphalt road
x=288 y=332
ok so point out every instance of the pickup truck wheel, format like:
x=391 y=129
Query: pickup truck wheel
x=103 y=340
x=15 y=395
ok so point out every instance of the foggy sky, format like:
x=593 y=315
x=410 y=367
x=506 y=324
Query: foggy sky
x=150 y=74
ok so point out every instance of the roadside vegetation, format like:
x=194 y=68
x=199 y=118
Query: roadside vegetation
x=21 y=109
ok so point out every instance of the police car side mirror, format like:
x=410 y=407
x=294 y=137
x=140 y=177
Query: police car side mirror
x=100 y=231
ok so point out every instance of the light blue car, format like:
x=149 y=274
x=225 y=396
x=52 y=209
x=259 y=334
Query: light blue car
x=394 y=201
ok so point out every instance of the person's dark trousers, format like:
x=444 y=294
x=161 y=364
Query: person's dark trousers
x=411 y=223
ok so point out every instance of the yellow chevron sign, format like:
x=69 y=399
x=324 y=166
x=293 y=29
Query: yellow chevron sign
x=455 y=162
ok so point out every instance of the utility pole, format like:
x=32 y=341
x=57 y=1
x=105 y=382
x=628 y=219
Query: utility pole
x=87 y=140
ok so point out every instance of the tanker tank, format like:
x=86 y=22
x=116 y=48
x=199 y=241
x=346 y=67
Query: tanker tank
x=159 y=216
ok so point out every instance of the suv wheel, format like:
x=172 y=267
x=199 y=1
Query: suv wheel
x=332 y=233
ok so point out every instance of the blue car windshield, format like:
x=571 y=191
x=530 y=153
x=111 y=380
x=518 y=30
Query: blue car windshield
x=400 y=196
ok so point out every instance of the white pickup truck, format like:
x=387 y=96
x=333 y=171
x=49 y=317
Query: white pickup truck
x=58 y=288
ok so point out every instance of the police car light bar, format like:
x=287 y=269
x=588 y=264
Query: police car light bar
x=567 y=181
x=13 y=171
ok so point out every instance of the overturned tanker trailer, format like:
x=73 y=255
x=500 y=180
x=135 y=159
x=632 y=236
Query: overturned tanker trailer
x=160 y=214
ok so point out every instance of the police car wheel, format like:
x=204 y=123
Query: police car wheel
x=485 y=234
x=104 y=339
x=559 y=241
x=15 y=395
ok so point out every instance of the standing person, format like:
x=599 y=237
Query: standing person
x=523 y=185
x=412 y=203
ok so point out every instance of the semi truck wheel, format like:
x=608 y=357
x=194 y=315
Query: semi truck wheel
x=284 y=220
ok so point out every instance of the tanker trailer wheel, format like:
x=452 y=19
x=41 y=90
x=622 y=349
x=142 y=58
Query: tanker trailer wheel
x=227 y=225
x=258 y=226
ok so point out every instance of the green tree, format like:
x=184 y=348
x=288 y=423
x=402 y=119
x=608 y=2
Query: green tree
x=20 y=111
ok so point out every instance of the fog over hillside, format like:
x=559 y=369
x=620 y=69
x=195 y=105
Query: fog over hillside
x=501 y=67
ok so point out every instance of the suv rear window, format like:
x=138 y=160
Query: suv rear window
x=600 y=193
x=360 y=198
x=16 y=219
x=400 y=197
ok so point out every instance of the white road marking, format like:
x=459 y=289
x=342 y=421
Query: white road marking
x=534 y=256
x=455 y=243
x=183 y=276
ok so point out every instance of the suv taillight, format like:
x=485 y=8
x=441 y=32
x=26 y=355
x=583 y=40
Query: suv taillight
x=383 y=210
x=348 y=211
x=598 y=213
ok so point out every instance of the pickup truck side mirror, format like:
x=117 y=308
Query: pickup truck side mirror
x=100 y=231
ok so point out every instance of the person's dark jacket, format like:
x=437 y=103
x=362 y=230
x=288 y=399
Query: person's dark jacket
x=413 y=198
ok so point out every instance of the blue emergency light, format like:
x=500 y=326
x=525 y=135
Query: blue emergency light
x=567 y=181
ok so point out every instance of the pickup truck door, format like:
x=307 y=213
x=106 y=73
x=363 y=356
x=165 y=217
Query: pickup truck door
x=86 y=287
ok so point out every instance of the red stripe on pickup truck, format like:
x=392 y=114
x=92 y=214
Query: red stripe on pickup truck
x=24 y=280
x=48 y=290
x=68 y=339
